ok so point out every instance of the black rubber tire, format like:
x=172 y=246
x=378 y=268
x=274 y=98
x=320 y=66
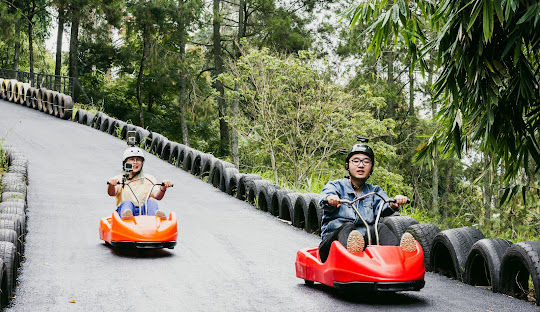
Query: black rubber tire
x=277 y=198
x=49 y=108
x=450 y=249
x=520 y=262
x=8 y=253
x=34 y=104
x=57 y=101
x=101 y=120
x=189 y=160
x=286 y=209
x=483 y=264
x=197 y=161
x=163 y=150
x=301 y=210
x=175 y=147
x=254 y=187
x=90 y=119
x=17 y=216
x=111 y=129
x=12 y=185
x=314 y=217
x=13 y=207
x=241 y=191
x=4 y=286
x=18 y=169
x=216 y=173
x=156 y=140
x=106 y=123
x=424 y=233
x=41 y=99
x=79 y=116
x=183 y=151
x=66 y=109
x=265 y=196
x=7 y=235
x=229 y=181
x=207 y=162
x=399 y=224
x=141 y=136
x=28 y=98
x=13 y=197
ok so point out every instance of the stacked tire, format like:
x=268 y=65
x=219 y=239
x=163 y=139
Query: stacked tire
x=48 y=101
x=13 y=204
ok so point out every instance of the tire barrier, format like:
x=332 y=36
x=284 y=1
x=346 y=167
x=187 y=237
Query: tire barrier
x=189 y=160
x=215 y=177
x=207 y=162
x=399 y=224
x=2 y=89
x=483 y=264
x=521 y=264
x=12 y=221
x=243 y=180
x=142 y=136
x=154 y=145
x=253 y=188
x=286 y=208
x=450 y=249
x=163 y=150
x=424 y=233
x=230 y=180
x=49 y=103
x=265 y=196
x=29 y=97
x=301 y=210
x=276 y=200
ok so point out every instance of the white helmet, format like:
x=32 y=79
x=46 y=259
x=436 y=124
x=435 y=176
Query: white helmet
x=133 y=152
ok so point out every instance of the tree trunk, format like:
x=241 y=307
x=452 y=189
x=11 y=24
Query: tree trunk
x=488 y=190
x=448 y=190
x=59 y=35
x=73 y=47
x=183 y=91
x=17 y=46
x=146 y=39
x=31 y=48
x=235 y=105
x=218 y=63
x=435 y=171
x=411 y=93
x=390 y=75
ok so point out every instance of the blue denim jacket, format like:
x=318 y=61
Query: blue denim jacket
x=334 y=217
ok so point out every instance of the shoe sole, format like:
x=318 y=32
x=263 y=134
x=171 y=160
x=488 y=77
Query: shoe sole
x=355 y=242
x=408 y=243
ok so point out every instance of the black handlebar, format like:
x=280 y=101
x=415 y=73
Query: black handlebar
x=389 y=200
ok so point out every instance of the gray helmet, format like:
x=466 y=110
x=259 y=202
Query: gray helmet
x=361 y=148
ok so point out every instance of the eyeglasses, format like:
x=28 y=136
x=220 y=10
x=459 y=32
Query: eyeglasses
x=358 y=161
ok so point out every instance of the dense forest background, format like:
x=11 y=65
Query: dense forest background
x=448 y=92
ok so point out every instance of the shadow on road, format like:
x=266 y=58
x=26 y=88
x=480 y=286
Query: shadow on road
x=371 y=298
x=139 y=253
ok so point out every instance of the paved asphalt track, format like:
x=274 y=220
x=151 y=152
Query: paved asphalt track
x=229 y=257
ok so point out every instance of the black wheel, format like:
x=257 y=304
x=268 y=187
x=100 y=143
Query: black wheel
x=450 y=249
x=7 y=254
x=399 y=224
x=308 y=282
x=286 y=209
x=242 y=190
x=521 y=265
x=265 y=196
x=483 y=264
x=66 y=109
x=229 y=180
x=424 y=233
x=277 y=198
x=314 y=217
x=254 y=188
